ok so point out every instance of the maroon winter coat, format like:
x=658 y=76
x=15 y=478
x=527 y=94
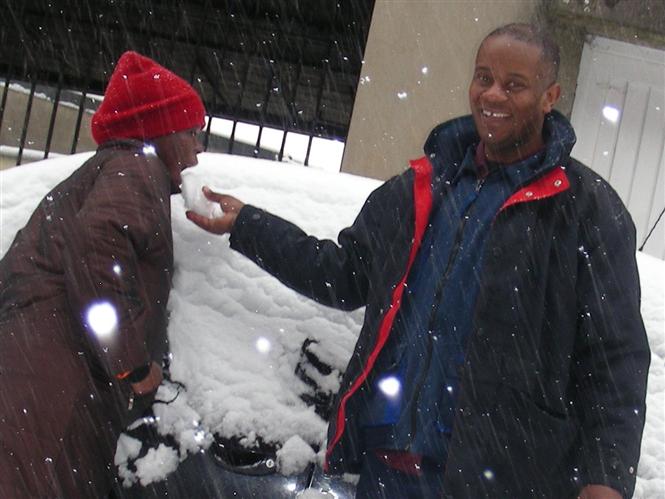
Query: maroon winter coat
x=101 y=236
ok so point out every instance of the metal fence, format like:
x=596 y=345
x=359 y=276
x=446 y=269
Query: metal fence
x=285 y=71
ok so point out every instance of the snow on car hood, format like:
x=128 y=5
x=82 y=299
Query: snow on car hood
x=236 y=332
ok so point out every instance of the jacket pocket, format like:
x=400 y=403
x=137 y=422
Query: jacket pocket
x=538 y=386
x=513 y=448
x=505 y=434
x=538 y=440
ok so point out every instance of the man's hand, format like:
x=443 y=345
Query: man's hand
x=598 y=492
x=150 y=383
x=220 y=225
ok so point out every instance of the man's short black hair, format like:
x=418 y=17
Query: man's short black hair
x=537 y=36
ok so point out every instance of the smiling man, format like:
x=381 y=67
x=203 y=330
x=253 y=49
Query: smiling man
x=512 y=90
x=503 y=354
x=84 y=287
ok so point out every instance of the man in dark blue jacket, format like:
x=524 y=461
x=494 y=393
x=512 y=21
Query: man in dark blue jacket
x=503 y=353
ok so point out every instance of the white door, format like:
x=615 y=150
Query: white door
x=619 y=119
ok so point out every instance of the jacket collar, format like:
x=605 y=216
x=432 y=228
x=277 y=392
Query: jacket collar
x=448 y=143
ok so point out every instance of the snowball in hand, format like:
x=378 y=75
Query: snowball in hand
x=195 y=200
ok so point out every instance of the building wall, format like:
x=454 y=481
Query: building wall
x=418 y=64
x=38 y=125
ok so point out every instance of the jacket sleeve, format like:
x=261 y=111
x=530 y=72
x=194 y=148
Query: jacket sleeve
x=332 y=273
x=124 y=220
x=611 y=356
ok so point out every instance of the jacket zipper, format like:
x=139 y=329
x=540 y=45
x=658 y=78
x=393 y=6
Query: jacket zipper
x=430 y=324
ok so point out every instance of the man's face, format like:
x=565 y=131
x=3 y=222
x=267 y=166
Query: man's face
x=510 y=94
x=178 y=151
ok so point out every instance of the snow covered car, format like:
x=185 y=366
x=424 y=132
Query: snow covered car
x=253 y=365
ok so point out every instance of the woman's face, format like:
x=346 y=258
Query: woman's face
x=178 y=151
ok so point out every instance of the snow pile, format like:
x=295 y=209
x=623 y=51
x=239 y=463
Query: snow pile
x=236 y=333
x=294 y=455
x=157 y=463
x=651 y=470
x=127 y=449
x=193 y=195
x=154 y=446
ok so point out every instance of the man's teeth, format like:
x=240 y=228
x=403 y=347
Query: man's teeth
x=489 y=114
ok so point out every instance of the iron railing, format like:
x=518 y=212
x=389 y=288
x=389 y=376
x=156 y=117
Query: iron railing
x=272 y=64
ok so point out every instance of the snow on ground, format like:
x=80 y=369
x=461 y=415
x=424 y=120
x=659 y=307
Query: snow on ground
x=651 y=469
x=236 y=333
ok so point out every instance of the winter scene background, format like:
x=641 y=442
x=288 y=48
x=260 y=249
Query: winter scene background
x=236 y=333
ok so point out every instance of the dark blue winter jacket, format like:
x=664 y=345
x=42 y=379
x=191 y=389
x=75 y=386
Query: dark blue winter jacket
x=425 y=351
x=553 y=384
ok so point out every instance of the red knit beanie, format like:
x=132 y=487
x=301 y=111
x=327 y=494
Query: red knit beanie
x=144 y=100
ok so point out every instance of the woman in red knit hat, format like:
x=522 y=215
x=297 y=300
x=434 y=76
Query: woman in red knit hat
x=84 y=287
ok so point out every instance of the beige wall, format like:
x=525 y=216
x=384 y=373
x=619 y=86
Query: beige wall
x=40 y=116
x=406 y=36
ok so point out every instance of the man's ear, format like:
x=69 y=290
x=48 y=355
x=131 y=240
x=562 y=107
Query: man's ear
x=551 y=96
